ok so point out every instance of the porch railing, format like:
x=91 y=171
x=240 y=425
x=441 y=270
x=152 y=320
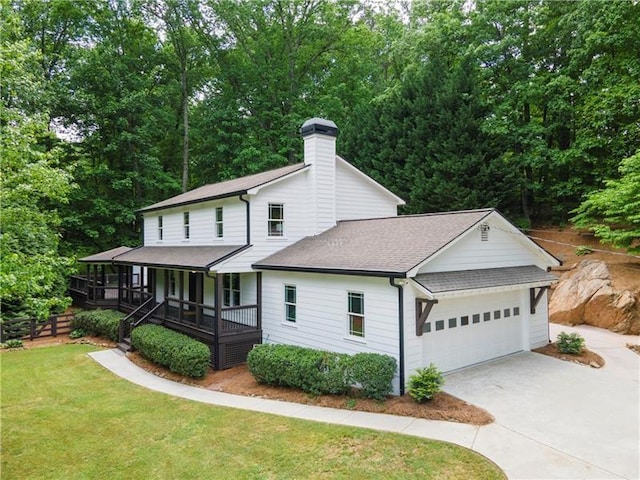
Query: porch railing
x=203 y=316
x=95 y=291
x=239 y=317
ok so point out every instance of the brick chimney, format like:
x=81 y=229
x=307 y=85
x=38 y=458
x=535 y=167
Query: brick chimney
x=319 y=137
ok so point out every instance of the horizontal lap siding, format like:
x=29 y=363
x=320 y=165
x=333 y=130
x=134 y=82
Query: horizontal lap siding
x=322 y=321
x=503 y=249
x=201 y=225
x=298 y=223
x=538 y=322
x=357 y=198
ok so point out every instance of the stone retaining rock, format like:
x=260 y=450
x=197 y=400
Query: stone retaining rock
x=586 y=295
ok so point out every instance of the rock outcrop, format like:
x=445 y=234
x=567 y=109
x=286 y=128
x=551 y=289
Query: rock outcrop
x=586 y=295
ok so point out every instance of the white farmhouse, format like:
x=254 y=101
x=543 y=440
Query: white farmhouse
x=315 y=255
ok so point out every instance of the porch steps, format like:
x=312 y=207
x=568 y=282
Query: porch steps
x=125 y=345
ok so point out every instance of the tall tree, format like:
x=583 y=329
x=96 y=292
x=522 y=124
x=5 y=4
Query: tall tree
x=273 y=57
x=125 y=111
x=178 y=22
x=32 y=272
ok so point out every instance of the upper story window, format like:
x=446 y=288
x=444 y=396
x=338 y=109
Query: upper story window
x=356 y=314
x=275 y=225
x=187 y=231
x=290 y=303
x=219 y=224
x=231 y=289
x=160 y=228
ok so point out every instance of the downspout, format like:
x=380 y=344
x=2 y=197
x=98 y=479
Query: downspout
x=248 y=219
x=400 y=329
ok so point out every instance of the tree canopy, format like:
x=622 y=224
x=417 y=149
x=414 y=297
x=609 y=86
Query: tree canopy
x=528 y=106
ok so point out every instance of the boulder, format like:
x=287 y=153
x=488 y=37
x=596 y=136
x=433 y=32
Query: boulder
x=587 y=295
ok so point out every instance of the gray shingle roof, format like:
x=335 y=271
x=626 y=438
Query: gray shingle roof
x=485 y=278
x=188 y=258
x=228 y=188
x=106 y=256
x=375 y=246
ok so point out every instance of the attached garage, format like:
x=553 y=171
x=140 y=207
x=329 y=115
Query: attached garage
x=472 y=330
x=478 y=315
x=454 y=289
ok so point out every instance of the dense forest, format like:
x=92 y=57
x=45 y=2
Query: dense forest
x=529 y=106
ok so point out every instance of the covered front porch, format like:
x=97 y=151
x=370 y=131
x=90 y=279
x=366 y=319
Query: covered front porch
x=222 y=310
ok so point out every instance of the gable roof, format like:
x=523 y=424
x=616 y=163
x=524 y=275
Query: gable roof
x=228 y=188
x=376 y=247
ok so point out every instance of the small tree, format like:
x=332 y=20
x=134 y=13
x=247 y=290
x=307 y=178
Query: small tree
x=425 y=383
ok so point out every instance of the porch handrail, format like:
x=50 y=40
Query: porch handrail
x=128 y=318
x=147 y=315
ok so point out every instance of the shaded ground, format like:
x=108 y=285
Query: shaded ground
x=563 y=243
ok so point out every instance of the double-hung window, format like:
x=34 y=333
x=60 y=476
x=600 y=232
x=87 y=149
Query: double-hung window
x=275 y=224
x=219 y=225
x=290 y=303
x=231 y=289
x=160 y=227
x=187 y=231
x=355 y=306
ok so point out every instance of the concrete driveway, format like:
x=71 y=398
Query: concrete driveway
x=556 y=419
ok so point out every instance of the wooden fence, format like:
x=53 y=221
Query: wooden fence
x=30 y=328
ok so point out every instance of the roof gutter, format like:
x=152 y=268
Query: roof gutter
x=400 y=330
x=335 y=271
x=191 y=202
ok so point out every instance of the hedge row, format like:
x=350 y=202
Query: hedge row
x=318 y=372
x=178 y=352
x=99 y=323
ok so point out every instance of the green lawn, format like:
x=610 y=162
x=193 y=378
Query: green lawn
x=64 y=416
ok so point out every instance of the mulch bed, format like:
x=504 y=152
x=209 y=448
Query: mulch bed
x=238 y=380
x=587 y=357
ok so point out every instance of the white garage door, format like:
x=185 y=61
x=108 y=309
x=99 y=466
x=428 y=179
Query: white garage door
x=462 y=332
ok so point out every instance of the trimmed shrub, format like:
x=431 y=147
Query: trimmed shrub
x=374 y=374
x=425 y=383
x=320 y=372
x=179 y=353
x=571 y=343
x=100 y=323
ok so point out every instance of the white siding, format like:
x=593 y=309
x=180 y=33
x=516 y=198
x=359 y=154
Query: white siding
x=502 y=249
x=358 y=197
x=538 y=322
x=322 y=321
x=294 y=195
x=201 y=224
x=320 y=154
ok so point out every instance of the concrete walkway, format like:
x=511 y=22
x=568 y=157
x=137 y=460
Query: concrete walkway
x=523 y=449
